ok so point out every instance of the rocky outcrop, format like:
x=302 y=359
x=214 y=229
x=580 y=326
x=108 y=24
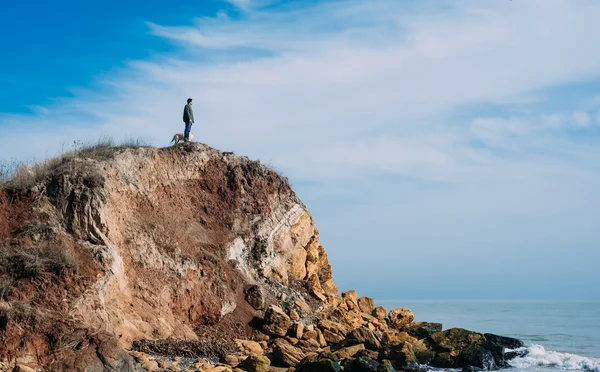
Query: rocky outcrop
x=191 y=252
x=146 y=243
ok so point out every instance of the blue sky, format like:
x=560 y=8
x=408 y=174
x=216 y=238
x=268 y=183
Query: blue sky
x=446 y=149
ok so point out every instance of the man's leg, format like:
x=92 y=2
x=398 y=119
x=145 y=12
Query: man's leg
x=188 y=129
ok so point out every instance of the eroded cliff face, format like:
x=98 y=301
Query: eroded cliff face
x=157 y=243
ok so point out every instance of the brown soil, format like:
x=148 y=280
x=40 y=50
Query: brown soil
x=14 y=211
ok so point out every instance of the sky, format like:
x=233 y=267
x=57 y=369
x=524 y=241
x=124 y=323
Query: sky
x=447 y=150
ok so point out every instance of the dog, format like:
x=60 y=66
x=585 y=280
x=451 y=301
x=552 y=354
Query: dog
x=179 y=137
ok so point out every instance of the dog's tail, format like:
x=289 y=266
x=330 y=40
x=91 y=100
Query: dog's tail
x=174 y=139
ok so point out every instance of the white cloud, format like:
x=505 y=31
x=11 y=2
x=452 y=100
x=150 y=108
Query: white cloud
x=376 y=77
x=360 y=99
x=242 y=4
x=582 y=119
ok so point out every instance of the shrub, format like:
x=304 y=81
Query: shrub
x=37 y=261
x=6 y=288
x=22 y=175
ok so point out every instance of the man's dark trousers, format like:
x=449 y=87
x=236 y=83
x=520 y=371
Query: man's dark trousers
x=188 y=129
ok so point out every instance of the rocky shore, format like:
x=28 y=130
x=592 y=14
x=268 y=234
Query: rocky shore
x=190 y=259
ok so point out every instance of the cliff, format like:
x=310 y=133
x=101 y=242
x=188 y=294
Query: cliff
x=188 y=251
x=151 y=244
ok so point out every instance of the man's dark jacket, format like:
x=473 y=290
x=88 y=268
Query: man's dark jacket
x=188 y=114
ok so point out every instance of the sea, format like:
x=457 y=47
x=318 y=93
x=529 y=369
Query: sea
x=559 y=335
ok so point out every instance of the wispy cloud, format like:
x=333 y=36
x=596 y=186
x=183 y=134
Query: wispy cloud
x=242 y=4
x=348 y=94
x=341 y=75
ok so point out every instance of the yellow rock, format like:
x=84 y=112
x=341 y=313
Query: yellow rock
x=232 y=360
x=303 y=305
x=150 y=365
x=297 y=330
x=294 y=315
x=248 y=347
x=349 y=351
x=163 y=364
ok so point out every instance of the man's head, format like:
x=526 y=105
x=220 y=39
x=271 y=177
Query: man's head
x=190 y=101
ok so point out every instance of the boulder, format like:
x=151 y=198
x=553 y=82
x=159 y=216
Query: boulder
x=333 y=327
x=351 y=319
x=363 y=364
x=256 y=363
x=297 y=330
x=291 y=340
x=368 y=318
x=351 y=299
x=259 y=336
x=392 y=336
x=402 y=356
x=386 y=366
x=294 y=315
x=150 y=365
x=309 y=335
x=506 y=342
x=424 y=356
x=276 y=321
x=332 y=338
x=379 y=312
x=401 y=317
x=232 y=360
x=444 y=360
x=423 y=330
x=366 y=305
x=455 y=340
x=255 y=297
x=478 y=357
x=303 y=306
x=248 y=347
x=497 y=345
x=371 y=354
x=365 y=336
x=308 y=345
x=314 y=286
x=324 y=362
x=349 y=351
x=286 y=353
x=321 y=338
x=408 y=355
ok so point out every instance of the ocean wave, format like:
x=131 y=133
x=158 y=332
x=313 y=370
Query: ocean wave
x=538 y=356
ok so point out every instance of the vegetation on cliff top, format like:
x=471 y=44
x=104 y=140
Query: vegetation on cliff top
x=21 y=174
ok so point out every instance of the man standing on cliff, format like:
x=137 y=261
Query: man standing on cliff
x=188 y=119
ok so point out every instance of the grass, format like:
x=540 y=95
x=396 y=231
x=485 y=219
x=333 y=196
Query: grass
x=21 y=311
x=18 y=174
x=35 y=262
x=6 y=288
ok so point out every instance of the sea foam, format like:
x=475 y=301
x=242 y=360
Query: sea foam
x=537 y=356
